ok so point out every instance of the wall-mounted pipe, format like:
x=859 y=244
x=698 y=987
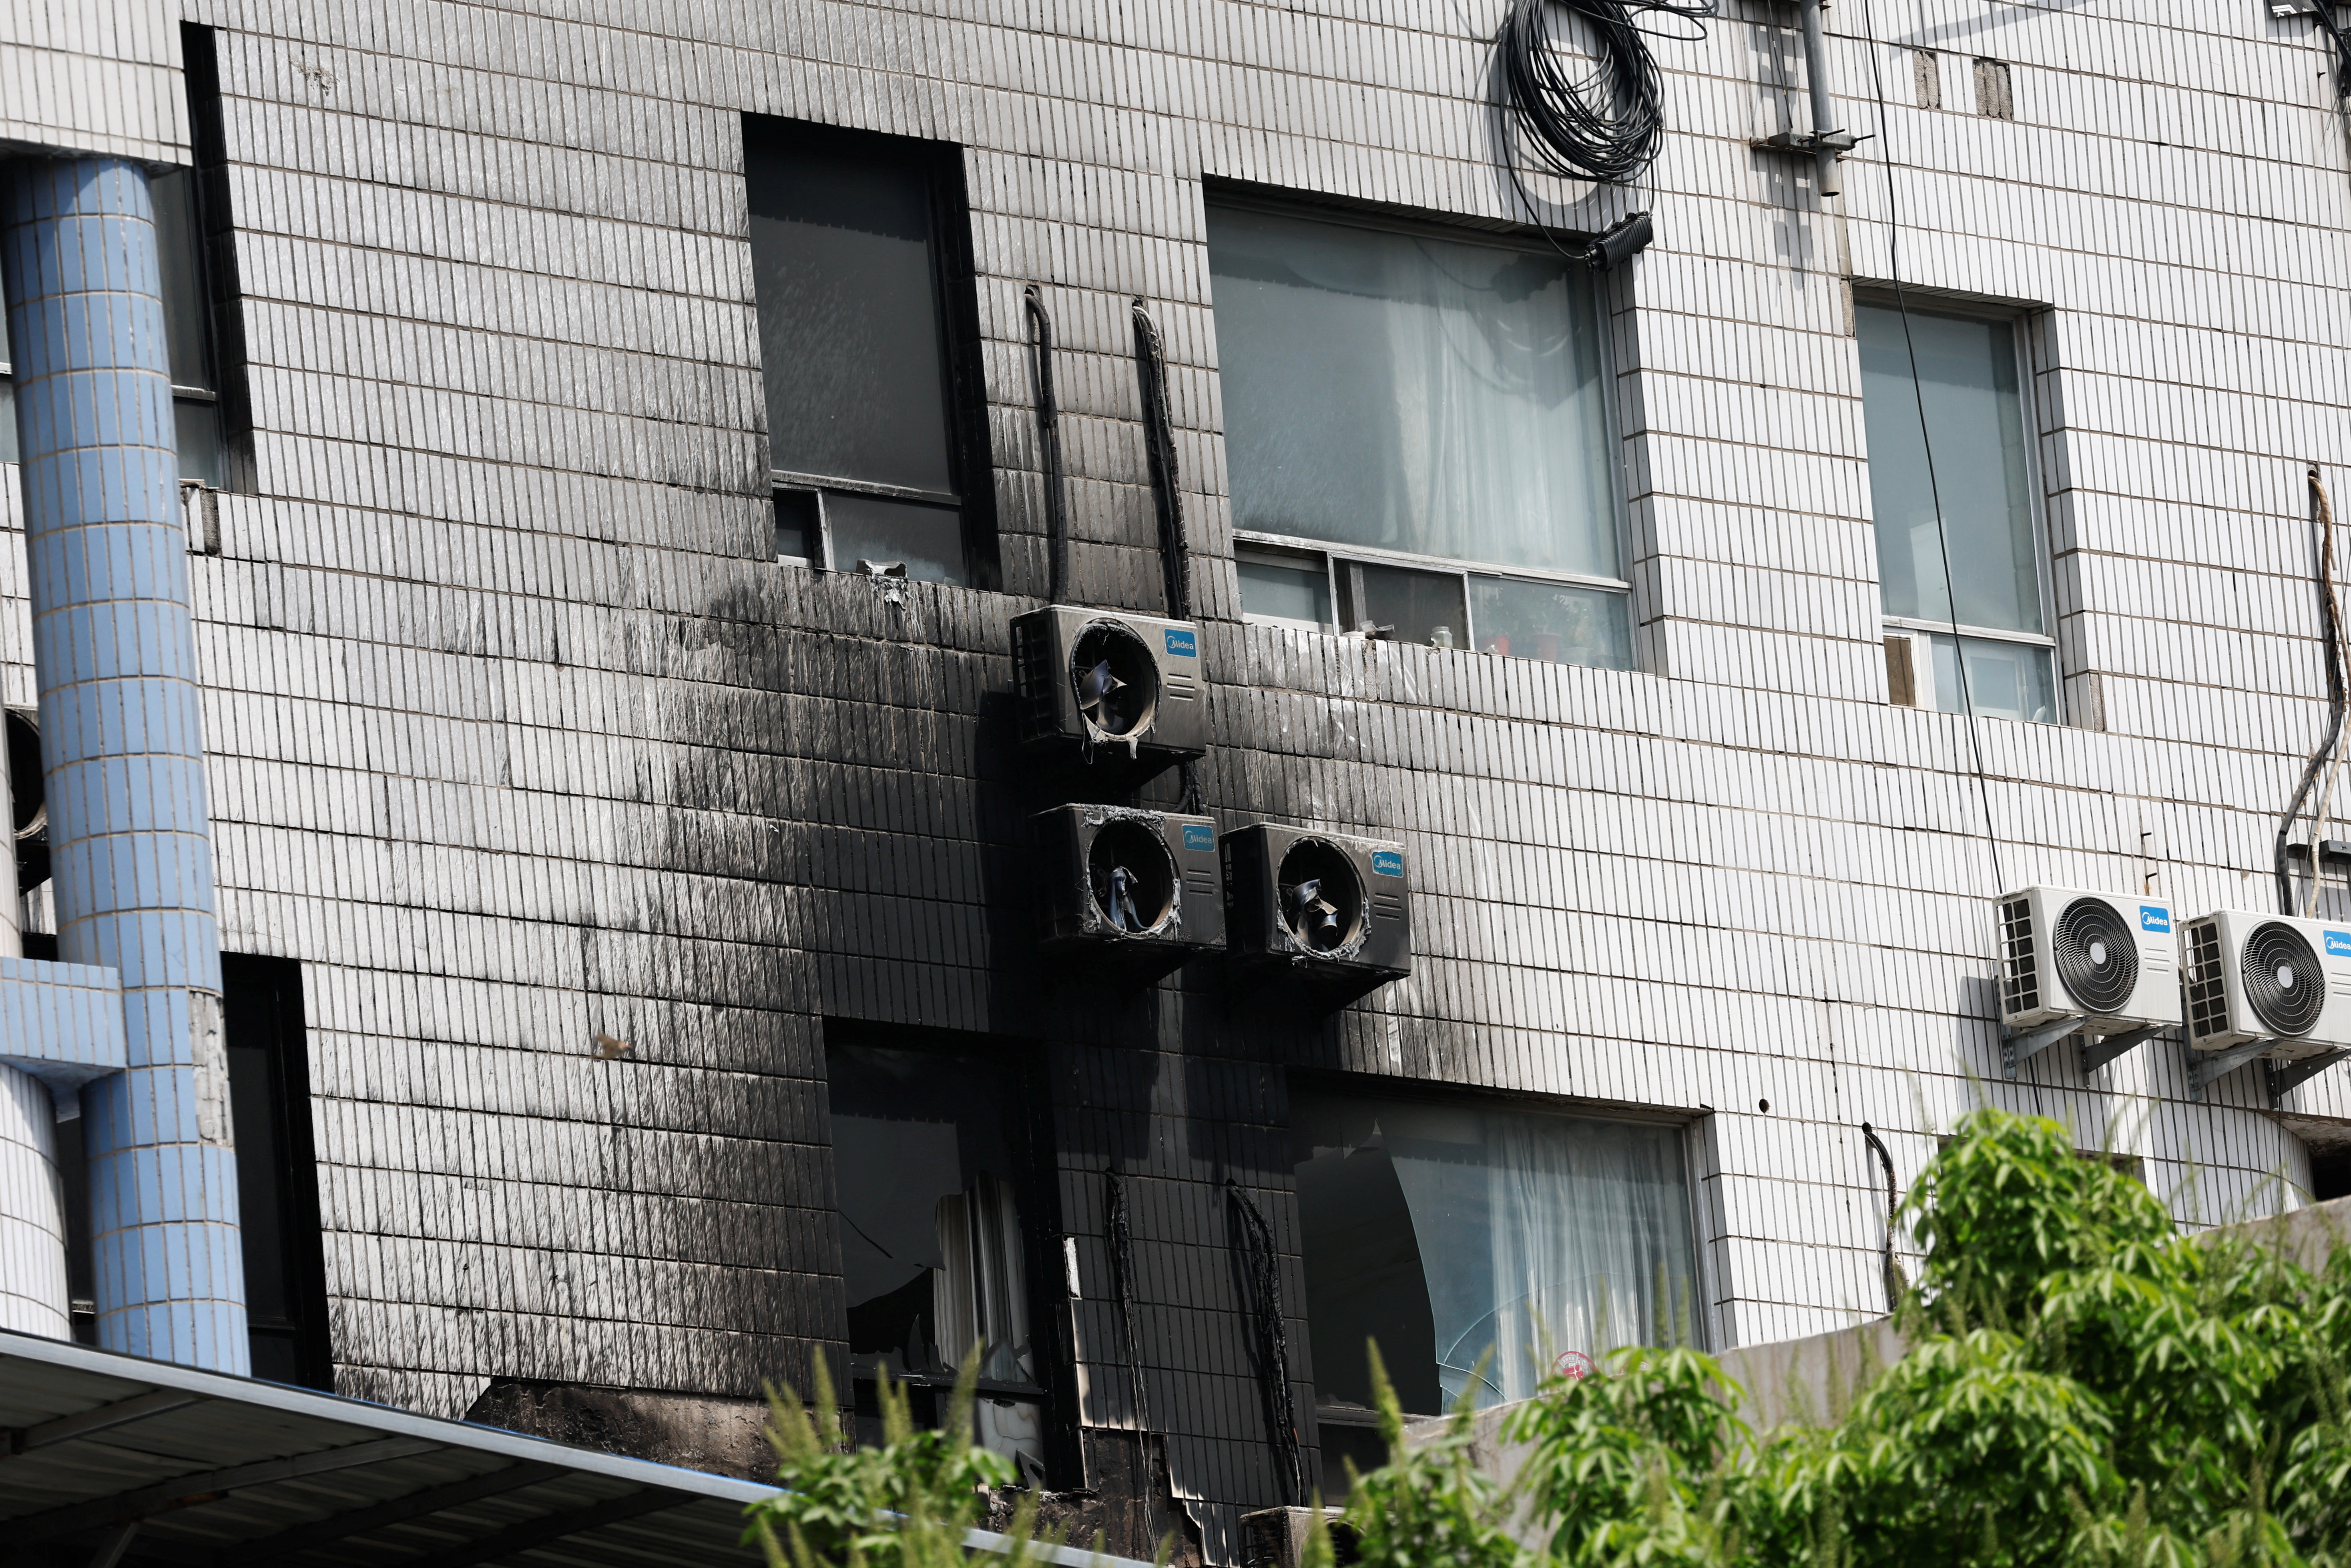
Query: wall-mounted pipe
x=1816 y=80
x=121 y=751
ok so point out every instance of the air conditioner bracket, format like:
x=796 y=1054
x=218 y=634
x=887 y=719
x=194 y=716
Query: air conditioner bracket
x=2205 y=1069
x=1809 y=144
x=2285 y=1075
x=2097 y=1053
x=2022 y=1045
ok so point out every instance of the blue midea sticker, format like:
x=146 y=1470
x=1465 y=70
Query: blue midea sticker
x=2155 y=918
x=1199 y=836
x=2338 y=943
x=1183 y=643
x=1388 y=863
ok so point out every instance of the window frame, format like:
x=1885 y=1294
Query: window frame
x=1705 y=1330
x=954 y=297
x=1346 y=601
x=1036 y=1185
x=2018 y=319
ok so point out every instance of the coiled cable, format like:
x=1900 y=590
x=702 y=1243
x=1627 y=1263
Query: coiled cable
x=1604 y=123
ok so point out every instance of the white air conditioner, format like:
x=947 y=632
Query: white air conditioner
x=2251 y=977
x=2067 y=953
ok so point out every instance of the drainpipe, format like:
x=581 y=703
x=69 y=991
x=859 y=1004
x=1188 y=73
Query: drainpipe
x=129 y=835
x=1816 y=79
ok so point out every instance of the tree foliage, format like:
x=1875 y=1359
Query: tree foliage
x=2082 y=1388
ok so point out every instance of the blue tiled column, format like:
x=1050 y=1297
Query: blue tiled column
x=130 y=838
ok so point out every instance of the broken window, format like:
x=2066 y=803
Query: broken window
x=857 y=322
x=1958 y=541
x=1418 y=435
x=926 y=1162
x=1481 y=1246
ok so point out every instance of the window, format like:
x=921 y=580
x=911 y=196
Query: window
x=865 y=313
x=276 y=1170
x=1418 y=436
x=1480 y=1245
x=926 y=1162
x=1995 y=591
x=187 y=336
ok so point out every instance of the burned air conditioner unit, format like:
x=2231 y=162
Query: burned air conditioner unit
x=2074 y=961
x=2265 y=985
x=1324 y=917
x=1129 y=895
x=1117 y=695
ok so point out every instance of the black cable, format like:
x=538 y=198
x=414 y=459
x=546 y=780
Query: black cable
x=1886 y=1259
x=1927 y=441
x=2322 y=516
x=2340 y=31
x=1605 y=123
x=1262 y=1272
x=1122 y=1284
x=1159 y=444
x=1049 y=441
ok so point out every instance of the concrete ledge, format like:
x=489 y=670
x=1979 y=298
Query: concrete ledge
x=62 y=1023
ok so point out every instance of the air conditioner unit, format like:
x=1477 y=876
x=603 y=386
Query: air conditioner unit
x=1117 y=694
x=2069 y=953
x=1327 y=915
x=2251 y=977
x=1130 y=894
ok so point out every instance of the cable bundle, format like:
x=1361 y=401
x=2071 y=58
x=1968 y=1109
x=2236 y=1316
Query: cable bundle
x=1606 y=124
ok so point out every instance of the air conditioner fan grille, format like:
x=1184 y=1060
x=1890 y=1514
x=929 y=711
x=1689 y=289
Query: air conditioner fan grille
x=2282 y=978
x=2097 y=955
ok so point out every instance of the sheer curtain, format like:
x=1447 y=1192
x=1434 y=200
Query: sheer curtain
x=1592 y=1244
x=1411 y=393
x=1536 y=1236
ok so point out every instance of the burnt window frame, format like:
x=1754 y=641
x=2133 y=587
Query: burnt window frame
x=955 y=282
x=1036 y=1186
x=1360 y=1423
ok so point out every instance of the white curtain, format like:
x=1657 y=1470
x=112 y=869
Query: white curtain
x=1542 y=1237
x=1413 y=392
x=980 y=1296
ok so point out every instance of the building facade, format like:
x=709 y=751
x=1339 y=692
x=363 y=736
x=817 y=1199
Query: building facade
x=615 y=452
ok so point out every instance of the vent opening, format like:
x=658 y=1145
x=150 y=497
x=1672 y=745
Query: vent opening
x=1321 y=897
x=1133 y=877
x=1115 y=678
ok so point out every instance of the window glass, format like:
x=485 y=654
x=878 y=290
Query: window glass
x=1422 y=394
x=187 y=329
x=1459 y=1235
x=2007 y=680
x=1284 y=588
x=1968 y=378
x=1554 y=622
x=1418 y=606
x=844 y=265
x=927 y=540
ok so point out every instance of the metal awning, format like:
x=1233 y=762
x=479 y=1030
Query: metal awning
x=142 y=1461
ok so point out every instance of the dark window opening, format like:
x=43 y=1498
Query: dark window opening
x=868 y=332
x=930 y=1165
x=2330 y=1175
x=1483 y=1247
x=276 y=1170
